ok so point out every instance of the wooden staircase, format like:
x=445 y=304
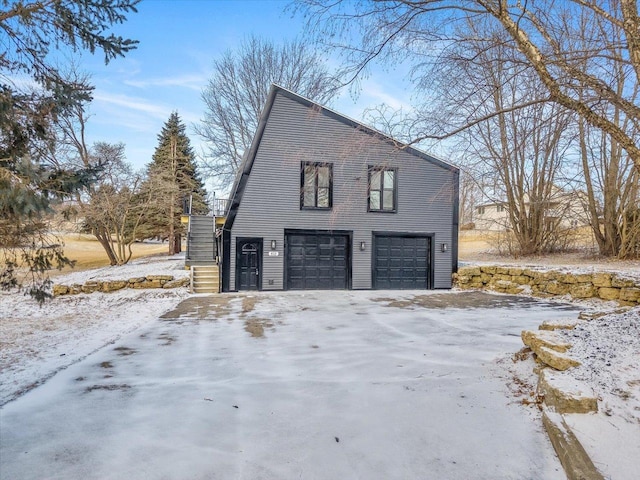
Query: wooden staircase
x=201 y=241
x=205 y=278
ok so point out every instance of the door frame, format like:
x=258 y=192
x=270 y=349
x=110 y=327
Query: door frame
x=344 y=233
x=431 y=247
x=239 y=242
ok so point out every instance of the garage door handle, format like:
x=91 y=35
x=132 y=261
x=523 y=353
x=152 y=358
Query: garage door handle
x=257 y=272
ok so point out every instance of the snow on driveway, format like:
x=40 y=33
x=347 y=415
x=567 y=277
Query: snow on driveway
x=313 y=385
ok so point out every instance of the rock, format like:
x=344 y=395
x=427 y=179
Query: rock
x=147 y=284
x=557 y=360
x=162 y=278
x=502 y=270
x=91 y=286
x=602 y=279
x=75 y=289
x=534 y=339
x=490 y=269
x=557 y=288
x=137 y=279
x=180 y=282
x=582 y=290
x=515 y=271
x=574 y=459
x=558 y=325
x=621 y=282
x=608 y=293
x=485 y=278
x=502 y=277
x=462 y=279
x=521 y=279
x=565 y=394
x=113 y=285
x=60 y=290
x=630 y=294
x=575 y=278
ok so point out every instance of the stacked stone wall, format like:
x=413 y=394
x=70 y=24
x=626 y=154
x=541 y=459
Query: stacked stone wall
x=550 y=283
x=106 y=286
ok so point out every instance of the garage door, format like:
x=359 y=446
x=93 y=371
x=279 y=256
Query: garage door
x=317 y=261
x=402 y=262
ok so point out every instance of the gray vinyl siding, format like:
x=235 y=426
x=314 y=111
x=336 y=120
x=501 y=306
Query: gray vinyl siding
x=271 y=200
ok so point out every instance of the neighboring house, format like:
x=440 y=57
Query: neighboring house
x=565 y=210
x=324 y=202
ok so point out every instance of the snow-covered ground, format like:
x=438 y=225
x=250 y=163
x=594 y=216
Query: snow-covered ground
x=318 y=359
x=294 y=385
x=36 y=342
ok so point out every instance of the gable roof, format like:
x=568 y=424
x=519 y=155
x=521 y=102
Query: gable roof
x=249 y=156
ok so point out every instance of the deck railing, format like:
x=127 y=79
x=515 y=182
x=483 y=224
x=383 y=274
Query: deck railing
x=220 y=206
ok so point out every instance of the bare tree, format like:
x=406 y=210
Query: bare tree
x=114 y=209
x=238 y=90
x=111 y=208
x=541 y=32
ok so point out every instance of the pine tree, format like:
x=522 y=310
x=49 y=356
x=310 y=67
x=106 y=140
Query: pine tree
x=31 y=178
x=173 y=179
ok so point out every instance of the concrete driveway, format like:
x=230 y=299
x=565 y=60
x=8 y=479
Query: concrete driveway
x=313 y=385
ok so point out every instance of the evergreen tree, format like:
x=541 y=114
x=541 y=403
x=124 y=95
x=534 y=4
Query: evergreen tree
x=173 y=179
x=31 y=178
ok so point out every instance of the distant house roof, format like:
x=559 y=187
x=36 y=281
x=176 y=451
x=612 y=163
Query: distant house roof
x=250 y=155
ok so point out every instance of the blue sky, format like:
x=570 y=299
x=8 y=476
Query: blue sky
x=179 y=39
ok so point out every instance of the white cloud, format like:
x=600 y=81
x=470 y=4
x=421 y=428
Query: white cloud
x=132 y=103
x=379 y=94
x=190 y=81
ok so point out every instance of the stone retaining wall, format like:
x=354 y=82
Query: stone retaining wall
x=549 y=283
x=150 y=281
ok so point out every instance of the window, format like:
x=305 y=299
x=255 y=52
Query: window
x=316 y=182
x=383 y=184
x=480 y=210
x=500 y=208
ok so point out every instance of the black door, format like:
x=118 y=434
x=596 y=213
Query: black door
x=402 y=262
x=248 y=262
x=317 y=261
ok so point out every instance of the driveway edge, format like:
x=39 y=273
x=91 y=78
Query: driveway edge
x=573 y=457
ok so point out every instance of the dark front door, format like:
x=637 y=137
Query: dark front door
x=248 y=263
x=317 y=261
x=402 y=262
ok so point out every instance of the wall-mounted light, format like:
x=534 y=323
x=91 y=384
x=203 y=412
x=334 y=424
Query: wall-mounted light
x=363 y=245
x=273 y=245
x=444 y=247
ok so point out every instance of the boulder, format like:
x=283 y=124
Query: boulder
x=60 y=290
x=557 y=288
x=162 y=278
x=565 y=394
x=137 y=279
x=582 y=290
x=113 y=285
x=515 y=271
x=602 y=279
x=630 y=294
x=558 y=325
x=575 y=278
x=608 y=293
x=75 y=289
x=534 y=339
x=490 y=269
x=180 y=282
x=502 y=270
x=557 y=360
x=91 y=286
x=521 y=279
x=471 y=271
x=622 y=282
x=147 y=284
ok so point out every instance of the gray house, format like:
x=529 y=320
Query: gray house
x=324 y=202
